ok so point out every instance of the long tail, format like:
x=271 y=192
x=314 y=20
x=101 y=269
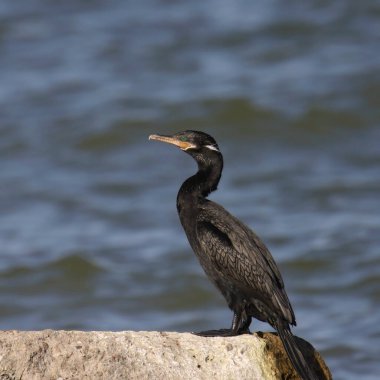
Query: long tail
x=294 y=353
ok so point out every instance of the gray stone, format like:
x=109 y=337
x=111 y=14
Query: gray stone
x=62 y=355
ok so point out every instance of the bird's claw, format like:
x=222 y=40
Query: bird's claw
x=221 y=333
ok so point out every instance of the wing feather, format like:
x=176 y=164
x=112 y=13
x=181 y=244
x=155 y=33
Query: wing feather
x=241 y=258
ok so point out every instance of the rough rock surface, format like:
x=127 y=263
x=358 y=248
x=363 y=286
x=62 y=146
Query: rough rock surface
x=62 y=355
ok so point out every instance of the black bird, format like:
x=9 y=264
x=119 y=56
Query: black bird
x=231 y=254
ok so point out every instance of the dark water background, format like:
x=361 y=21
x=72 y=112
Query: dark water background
x=89 y=235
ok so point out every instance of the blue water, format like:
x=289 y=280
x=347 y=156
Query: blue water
x=89 y=234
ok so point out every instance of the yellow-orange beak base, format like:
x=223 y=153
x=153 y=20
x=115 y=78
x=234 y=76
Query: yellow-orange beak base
x=184 y=145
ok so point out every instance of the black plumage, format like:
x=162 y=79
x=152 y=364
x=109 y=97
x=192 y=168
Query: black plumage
x=231 y=254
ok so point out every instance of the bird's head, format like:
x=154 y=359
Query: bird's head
x=192 y=142
x=205 y=151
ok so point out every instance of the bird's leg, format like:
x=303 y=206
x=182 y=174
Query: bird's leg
x=238 y=326
x=236 y=320
x=244 y=325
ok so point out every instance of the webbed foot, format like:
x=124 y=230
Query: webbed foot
x=222 y=332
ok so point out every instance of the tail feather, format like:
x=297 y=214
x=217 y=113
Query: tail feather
x=294 y=353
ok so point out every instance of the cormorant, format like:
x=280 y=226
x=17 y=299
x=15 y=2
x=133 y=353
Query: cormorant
x=231 y=254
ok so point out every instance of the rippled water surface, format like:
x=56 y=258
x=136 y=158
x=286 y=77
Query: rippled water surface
x=89 y=234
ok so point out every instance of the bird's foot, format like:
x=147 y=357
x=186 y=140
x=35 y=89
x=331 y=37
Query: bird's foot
x=221 y=333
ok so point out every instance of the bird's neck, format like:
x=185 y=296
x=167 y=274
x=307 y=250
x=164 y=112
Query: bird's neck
x=200 y=185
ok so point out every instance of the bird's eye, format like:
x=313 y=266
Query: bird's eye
x=183 y=138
